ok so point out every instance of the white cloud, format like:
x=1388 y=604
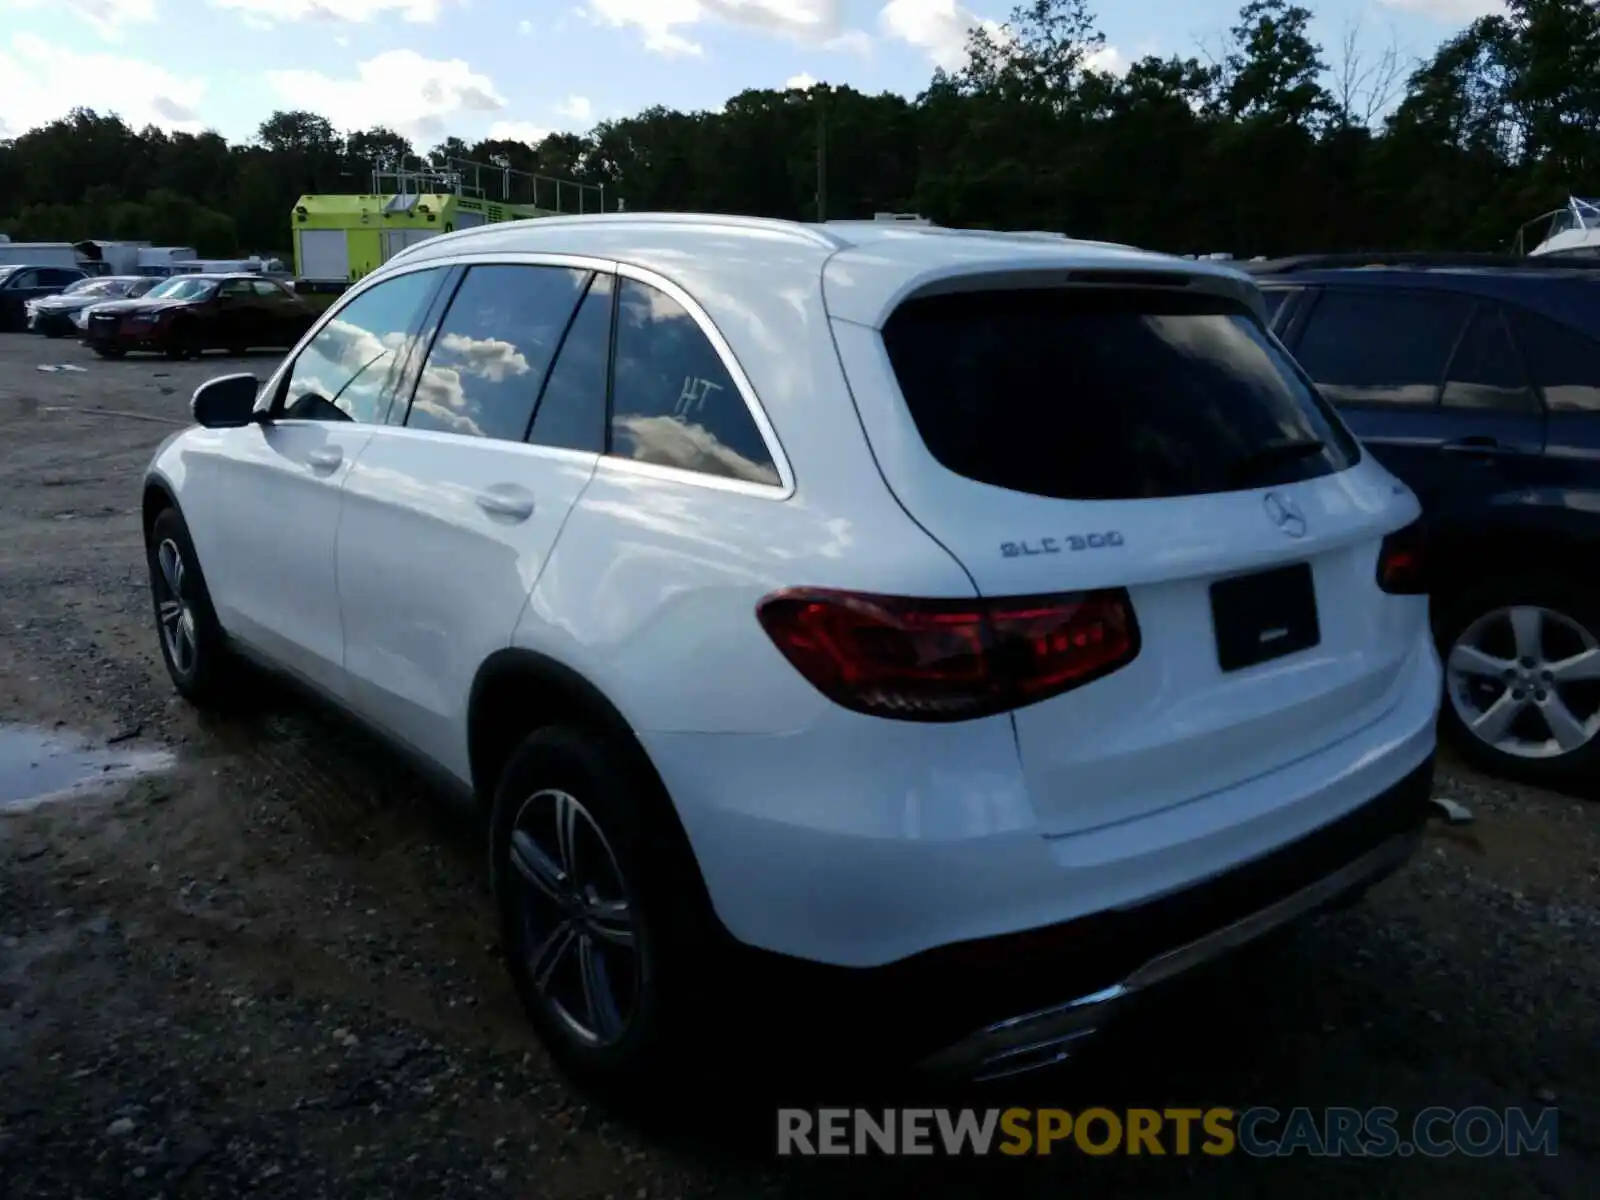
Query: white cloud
x=44 y=81
x=267 y=12
x=939 y=28
x=1107 y=60
x=661 y=20
x=802 y=82
x=518 y=131
x=399 y=89
x=524 y=27
x=577 y=109
x=1452 y=11
x=107 y=16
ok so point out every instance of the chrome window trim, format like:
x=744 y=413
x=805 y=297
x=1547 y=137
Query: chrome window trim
x=782 y=490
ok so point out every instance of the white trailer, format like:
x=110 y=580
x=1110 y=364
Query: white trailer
x=39 y=254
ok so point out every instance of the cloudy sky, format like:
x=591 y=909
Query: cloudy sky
x=475 y=67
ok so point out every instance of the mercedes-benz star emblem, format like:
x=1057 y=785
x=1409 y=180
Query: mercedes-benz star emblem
x=1285 y=514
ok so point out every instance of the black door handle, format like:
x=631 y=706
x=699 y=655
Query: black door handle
x=1478 y=445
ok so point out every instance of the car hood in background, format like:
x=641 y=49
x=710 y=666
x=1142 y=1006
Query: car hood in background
x=123 y=308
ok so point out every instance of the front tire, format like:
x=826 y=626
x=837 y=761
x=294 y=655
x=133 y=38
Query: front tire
x=1522 y=680
x=596 y=933
x=193 y=647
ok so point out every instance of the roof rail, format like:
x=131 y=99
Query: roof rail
x=1421 y=259
x=815 y=234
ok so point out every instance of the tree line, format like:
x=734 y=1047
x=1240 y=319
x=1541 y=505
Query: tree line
x=1272 y=144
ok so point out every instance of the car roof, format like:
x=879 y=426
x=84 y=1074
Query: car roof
x=867 y=267
x=1569 y=296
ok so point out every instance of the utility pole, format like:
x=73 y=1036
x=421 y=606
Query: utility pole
x=822 y=156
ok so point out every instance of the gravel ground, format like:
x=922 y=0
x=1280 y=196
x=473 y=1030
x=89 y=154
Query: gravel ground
x=271 y=969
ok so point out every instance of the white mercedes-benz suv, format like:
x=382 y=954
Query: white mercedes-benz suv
x=885 y=605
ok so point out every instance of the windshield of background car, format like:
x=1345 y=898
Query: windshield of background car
x=1109 y=393
x=6 y=273
x=95 y=287
x=183 y=288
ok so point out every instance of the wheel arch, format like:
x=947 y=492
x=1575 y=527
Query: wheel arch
x=1466 y=559
x=517 y=691
x=157 y=497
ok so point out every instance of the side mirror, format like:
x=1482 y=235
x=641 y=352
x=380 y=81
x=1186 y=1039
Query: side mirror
x=226 y=402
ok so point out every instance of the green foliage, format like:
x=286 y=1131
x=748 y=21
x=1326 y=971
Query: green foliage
x=1271 y=148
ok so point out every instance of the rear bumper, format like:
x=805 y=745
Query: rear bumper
x=860 y=843
x=1006 y=1006
x=1044 y=1037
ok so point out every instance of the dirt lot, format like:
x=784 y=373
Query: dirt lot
x=268 y=965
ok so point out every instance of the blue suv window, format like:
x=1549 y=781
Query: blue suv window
x=1565 y=364
x=1381 y=346
x=1487 y=371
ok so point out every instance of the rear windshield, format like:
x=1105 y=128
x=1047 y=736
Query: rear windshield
x=1109 y=394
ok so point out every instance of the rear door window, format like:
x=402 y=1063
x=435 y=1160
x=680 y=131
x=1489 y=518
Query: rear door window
x=1487 y=372
x=1109 y=394
x=1565 y=363
x=572 y=412
x=1381 y=346
x=489 y=358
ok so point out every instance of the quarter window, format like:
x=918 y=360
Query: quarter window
x=1487 y=372
x=572 y=411
x=1381 y=347
x=493 y=347
x=348 y=371
x=673 y=402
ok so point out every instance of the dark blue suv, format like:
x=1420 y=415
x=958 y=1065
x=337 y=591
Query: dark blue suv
x=1477 y=382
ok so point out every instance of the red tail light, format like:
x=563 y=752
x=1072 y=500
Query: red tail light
x=1403 y=561
x=949 y=660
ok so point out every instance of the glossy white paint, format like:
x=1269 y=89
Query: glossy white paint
x=262 y=505
x=440 y=543
x=821 y=832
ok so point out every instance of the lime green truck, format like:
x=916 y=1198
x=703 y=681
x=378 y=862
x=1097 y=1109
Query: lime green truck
x=339 y=239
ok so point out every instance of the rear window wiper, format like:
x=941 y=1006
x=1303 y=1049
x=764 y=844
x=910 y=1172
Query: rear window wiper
x=1274 y=453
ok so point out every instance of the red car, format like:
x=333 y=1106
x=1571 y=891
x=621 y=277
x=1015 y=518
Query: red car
x=190 y=314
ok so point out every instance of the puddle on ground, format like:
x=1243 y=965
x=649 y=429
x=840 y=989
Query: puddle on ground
x=37 y=766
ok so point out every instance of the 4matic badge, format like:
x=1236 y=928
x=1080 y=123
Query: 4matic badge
x=1070 y=544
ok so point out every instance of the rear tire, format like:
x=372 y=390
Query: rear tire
x=599 y=936
x=194 y=649
x=1522 y=679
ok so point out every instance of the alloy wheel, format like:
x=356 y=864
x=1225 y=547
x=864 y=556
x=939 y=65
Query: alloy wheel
x=1525 y=681
x=176 y=614
x=580 y=939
